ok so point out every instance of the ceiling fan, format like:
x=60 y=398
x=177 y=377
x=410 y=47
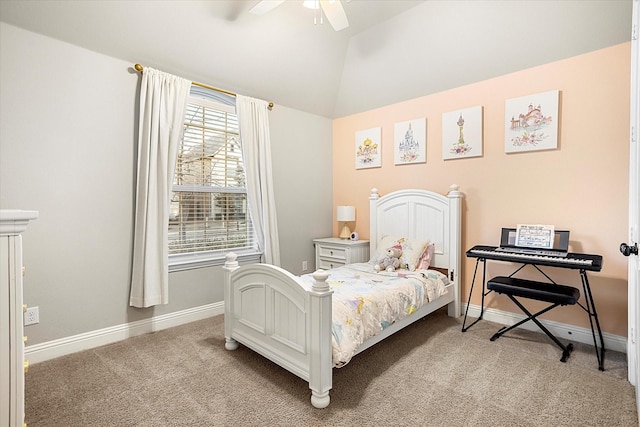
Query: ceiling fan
x=332 y=9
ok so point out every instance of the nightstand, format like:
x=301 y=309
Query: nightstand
x=334 y=252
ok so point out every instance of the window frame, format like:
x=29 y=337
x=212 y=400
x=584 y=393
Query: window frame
x=217 y=257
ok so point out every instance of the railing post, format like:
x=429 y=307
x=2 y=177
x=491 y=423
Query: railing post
x=373 y=219
x=455 y=246
x=321 y=353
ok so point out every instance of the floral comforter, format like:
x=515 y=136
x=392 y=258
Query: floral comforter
x=365 y=302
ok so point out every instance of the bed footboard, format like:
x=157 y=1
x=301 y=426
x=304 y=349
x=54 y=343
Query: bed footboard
x=270 y=311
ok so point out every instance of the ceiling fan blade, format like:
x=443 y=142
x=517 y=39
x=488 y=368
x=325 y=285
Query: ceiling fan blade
x=265 y=6
x=334 y=12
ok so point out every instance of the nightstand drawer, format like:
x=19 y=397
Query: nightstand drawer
x=327 y=264
x=331 y=252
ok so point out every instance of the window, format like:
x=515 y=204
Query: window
x=209 y=214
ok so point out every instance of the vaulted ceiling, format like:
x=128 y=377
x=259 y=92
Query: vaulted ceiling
x=392 y=51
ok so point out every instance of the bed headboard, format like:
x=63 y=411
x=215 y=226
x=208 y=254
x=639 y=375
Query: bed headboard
x=420 y=214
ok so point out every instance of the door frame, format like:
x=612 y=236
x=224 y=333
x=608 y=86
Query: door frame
x=633 y=357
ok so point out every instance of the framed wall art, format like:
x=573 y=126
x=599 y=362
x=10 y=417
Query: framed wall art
x=462 y=133
x=369 y=148
x=531 y=122
x=410 y=142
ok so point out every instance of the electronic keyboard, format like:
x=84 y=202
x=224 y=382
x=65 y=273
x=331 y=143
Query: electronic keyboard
x=571 y=260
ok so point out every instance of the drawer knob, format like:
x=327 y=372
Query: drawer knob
x=331 y=252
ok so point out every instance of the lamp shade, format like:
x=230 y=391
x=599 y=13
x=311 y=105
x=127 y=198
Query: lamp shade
x=346 y=213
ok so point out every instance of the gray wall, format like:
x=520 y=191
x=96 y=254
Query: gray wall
x=67 y=149
x=302 y=157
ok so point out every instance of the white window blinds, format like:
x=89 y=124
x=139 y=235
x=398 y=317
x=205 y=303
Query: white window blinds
x=209 y=200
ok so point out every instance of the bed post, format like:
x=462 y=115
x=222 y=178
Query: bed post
x=455 y=245
x=229 y=267
x=373 y=220
x=321 y=352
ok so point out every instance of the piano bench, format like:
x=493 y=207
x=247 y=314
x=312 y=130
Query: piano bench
x=555 y=295
x=541 y=291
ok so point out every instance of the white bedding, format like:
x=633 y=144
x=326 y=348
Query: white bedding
x=365 y=302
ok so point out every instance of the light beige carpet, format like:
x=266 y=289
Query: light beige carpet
x=429 y=374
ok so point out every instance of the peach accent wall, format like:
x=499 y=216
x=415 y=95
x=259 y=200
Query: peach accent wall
x=581 y=186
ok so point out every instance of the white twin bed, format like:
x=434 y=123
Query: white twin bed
x=313 y=323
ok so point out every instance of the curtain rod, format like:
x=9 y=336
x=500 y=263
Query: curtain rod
x=140 y=68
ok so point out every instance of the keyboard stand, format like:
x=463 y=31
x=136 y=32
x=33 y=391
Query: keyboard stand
x=484 y=294
x=549 y=291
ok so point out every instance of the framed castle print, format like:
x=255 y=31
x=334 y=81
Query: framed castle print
x=369 y=148
x=462 y=133
x=410 y=142
x=531 y=122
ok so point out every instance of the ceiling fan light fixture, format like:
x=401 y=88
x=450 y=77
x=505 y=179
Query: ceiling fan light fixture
x=331 y=9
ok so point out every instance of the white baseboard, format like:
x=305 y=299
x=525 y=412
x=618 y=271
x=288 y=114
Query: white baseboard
x=51 y=349
x=560 y=330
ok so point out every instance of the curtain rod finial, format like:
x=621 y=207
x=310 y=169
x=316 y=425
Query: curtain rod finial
x=138 y=67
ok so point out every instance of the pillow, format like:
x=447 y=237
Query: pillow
x=425 y=259
x=385 y=243
x=412 y=250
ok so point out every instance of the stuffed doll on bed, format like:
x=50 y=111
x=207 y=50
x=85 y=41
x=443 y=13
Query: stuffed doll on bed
x=391 y=260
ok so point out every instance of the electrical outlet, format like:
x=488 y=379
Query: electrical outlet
x=304 y=266
x=31 y=316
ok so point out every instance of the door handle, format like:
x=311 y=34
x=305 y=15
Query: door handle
x=628 y=250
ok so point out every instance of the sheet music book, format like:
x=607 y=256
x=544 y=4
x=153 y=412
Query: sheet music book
x=534 y=239
x=535 y=236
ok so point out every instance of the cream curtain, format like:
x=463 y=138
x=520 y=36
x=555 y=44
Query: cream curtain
x=253 y=118
x=163 y=102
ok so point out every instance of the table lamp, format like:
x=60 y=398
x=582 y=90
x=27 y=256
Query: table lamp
x=345 y=214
